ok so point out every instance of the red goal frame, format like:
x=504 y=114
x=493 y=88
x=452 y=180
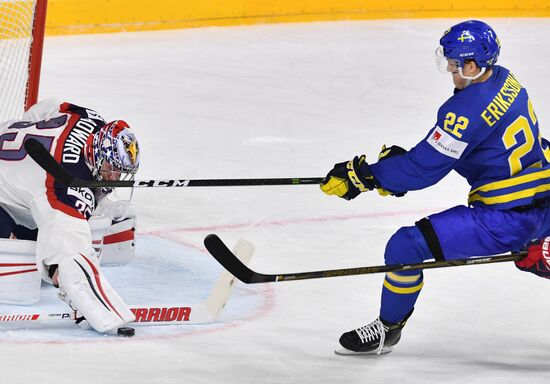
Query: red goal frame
x=35 y=60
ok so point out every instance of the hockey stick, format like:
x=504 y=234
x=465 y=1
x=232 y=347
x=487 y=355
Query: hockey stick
x=145 y=315
x=201 y=313
x=231 y=262
x=45 y=160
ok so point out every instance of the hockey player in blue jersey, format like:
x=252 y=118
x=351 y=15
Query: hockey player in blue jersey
x=488 y=132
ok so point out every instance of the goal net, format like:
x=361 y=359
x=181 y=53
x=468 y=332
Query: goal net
x=22 y=25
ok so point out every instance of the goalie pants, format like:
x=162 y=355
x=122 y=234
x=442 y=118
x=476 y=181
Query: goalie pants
x=8 y=227
x=459 y=232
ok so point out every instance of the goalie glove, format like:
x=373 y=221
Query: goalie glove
x=537 y=260
x=119 y=242
x=114 y=241
x=348 y=179
x=114 y=208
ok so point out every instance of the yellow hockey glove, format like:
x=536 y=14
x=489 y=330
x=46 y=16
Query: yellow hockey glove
x=349 y=179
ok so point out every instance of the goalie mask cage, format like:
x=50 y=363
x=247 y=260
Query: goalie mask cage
x=22 y=24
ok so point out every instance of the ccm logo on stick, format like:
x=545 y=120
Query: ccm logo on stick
x=147 y=315
x=163 y=183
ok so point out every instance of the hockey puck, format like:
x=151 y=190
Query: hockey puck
x=126 y=331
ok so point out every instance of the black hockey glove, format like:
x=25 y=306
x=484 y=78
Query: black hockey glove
x=385 y=154
x=349 y=179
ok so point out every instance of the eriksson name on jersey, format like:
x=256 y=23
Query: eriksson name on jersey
x=502 y=101
x=72 y=148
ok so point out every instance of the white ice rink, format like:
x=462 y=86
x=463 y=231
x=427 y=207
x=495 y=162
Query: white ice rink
x=290 y=101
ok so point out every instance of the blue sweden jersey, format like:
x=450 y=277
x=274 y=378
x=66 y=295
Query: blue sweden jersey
x=488 y=133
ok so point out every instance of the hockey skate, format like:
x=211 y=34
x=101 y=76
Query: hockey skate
x=376 y=338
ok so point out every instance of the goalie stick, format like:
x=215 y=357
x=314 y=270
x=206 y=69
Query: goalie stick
x=45 y=160
x=231 y=262
x=146 y=315
x=205 y=312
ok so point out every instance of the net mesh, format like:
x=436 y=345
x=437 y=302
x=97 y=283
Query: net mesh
x=16 y=27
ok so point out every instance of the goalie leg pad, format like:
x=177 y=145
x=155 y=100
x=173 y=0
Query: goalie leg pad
x=87 y=291
x=19 y=277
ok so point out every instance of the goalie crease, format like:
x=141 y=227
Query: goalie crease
x=204 y=312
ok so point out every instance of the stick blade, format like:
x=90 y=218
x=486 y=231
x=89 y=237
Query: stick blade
x=231 y=263
x=224 y=286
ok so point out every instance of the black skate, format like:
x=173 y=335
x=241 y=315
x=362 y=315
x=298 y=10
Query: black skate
x=376 y=338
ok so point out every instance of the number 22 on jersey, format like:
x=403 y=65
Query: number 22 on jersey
x=520 y=125
x=454 y=124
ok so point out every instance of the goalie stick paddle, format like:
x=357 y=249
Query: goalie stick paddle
x=45 y=160
x=145 y=315
x=229 y=261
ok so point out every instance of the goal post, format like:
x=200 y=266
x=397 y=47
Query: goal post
x=22 y=24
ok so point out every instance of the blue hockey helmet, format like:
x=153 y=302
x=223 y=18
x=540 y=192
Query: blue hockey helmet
x=471 y=40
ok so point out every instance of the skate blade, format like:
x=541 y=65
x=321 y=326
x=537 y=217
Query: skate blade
x=347 y=352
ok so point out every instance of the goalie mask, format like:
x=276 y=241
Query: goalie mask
x=112 y=153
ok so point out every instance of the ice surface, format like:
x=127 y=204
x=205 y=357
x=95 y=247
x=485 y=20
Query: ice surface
x=288 y=101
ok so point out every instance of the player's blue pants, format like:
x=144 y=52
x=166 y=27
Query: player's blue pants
x=462 y=232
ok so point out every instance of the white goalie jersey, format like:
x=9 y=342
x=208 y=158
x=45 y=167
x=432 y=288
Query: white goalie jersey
x=32 y=198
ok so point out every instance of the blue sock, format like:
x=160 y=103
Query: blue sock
x=401 y=289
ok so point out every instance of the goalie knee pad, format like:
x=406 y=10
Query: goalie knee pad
x=86 y=290
x=19 y=276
